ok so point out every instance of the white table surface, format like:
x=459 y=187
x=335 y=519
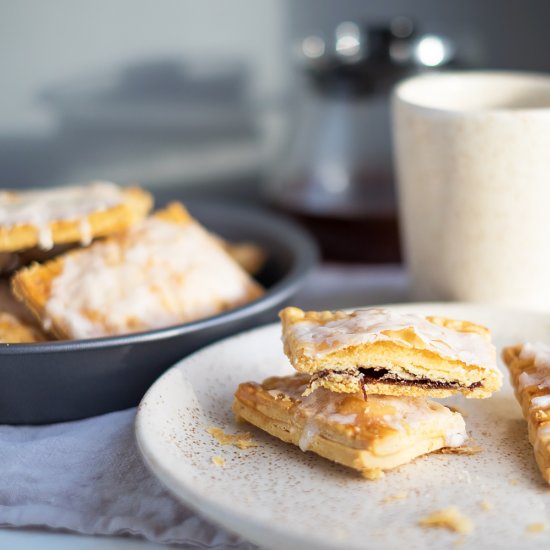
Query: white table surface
x=329 y=287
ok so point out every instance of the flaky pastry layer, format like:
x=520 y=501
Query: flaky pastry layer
x=369 y=435
x=133 y=205
x=14 y=331
x=529 y=366
x=381 y=351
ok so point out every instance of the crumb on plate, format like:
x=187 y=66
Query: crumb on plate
x=486 y=505
x=459 y=541
x=397 y=496
x=239 y=440
x=218 y=461
x=536 y=527
x=449 y=518
x=462 y=450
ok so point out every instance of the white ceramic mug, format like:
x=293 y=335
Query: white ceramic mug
x=472 y=152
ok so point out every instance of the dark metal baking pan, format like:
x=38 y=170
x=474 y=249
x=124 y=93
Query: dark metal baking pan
x=67 y=380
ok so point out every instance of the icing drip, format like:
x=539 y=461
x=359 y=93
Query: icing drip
x=366 y=326
x=41 y=207
x=85 y=232
x=309 y=433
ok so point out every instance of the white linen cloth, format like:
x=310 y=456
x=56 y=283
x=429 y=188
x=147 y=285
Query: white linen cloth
x=88 y=477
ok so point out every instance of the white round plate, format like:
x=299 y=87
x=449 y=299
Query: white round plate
x=279 y=497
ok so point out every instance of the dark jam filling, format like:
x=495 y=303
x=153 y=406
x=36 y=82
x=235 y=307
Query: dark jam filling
x=383 y=375
x=369 y=376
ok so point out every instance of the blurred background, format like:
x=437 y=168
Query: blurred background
x=279 y=104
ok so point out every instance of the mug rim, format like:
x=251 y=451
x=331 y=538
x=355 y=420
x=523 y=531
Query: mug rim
x=402 y=91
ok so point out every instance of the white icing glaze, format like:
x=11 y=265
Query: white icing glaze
x=539 y=353
x=342 y=418
x=45 y=237
x=155 y=275
x=40 y=207
x=543 y=432
x=410 y=414
x=456 y=439
x=366 y=326
x=393 y=422
x=539 y=378
x=309 y=433
x=541 y=402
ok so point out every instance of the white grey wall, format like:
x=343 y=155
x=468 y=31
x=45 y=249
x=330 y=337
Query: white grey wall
x=45 y=43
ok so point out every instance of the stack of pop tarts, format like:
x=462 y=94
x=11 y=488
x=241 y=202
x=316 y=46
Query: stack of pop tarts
x=359 y=396
x=88 y=261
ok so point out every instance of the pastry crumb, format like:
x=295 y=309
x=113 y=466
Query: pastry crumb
x=536 y=527
x=373 y=474
x=449 y=518
x=398 y=496
x=514 y=482
x=462 y=450
x=486 y=505
x=218 y=461
x=459 y=541
x=245 y=443
x=239 y=440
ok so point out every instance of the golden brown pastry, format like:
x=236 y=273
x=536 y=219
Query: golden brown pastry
x=14 y=331
x=17 y=325
x=529 y=366
x=44 y=218
x=370 y=435
x=163 y=271
x=8 y=304
x=384 y=352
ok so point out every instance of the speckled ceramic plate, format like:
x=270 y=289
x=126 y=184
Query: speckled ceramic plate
x=279 y=497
